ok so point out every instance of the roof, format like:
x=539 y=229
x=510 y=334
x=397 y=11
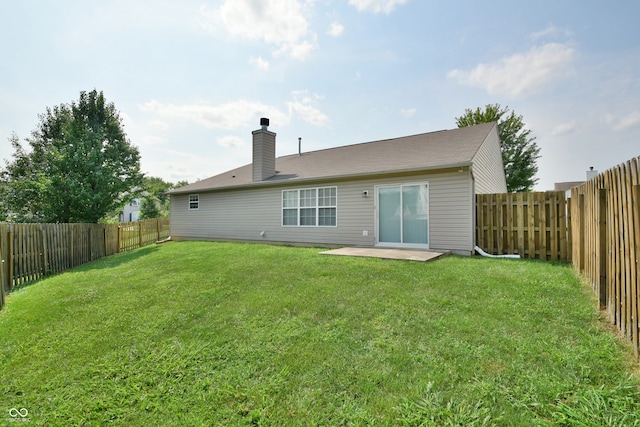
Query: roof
x=426 y=151
x=564 y=186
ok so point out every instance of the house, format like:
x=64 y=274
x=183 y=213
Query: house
x=568 y=185
x=130 y=211
x=409 y=192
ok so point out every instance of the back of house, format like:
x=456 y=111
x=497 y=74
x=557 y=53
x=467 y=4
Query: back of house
x=415 y=191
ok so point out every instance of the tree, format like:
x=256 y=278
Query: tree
x=157 y=187
x=520 y=152
x=149 y=208
x=3 y=203
x=157 y=192
x=79 y=165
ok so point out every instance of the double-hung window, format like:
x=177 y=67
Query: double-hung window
x=194 y=202
x=310 y=207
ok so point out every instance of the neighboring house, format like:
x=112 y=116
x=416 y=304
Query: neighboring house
x=130 y=211
x=567 y=186
x=410 y=192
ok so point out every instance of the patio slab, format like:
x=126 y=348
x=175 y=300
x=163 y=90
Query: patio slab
x=387 y=253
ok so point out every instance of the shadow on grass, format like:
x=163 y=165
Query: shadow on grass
x=117 y=259
x=110 y=261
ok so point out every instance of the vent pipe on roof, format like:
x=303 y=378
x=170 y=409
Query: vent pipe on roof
x=299 y=146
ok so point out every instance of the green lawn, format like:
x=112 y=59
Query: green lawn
x=196 y=333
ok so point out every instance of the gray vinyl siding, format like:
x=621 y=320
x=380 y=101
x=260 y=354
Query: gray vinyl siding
x=488 y=169
x=244 y=214
x=450 y=212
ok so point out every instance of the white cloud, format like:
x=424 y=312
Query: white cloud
x=564 y=128
x=150 y=140
x=520 y=73
x=232 y=115
x=300 y=50
x=231 y=141
x=280 y=23
x=551 y=31
x=308 y=113
x=260 y=63
x=336 y=29
x=376 y=6
x=239 y=114
x=302 y=107
x=187 y=165
x=158 y=124
x=408 y=112
x=305 y=97
x=629 y=121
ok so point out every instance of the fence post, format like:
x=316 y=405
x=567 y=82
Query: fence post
x=45 y=250
x=602 y=247
x=581 y=238
x=3 y=266
x=9 y=261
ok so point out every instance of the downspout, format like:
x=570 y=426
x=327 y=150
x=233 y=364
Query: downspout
x=483 y=253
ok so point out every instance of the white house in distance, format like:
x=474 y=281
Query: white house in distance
x=130 y=211
x=410 y=192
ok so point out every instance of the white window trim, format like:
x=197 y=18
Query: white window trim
x=317 y=208
x=197 y=200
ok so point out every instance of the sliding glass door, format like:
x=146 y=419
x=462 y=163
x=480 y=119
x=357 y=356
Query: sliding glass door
x=403 y=215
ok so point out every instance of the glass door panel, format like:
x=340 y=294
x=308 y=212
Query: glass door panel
x=389 y=216
x=415 y=214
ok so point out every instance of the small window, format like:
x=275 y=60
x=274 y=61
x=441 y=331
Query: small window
x=194 y=202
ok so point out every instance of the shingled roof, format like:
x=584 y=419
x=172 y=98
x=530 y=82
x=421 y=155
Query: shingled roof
x=423 y=152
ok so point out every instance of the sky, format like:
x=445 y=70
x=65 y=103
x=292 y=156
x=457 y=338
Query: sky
x=191 y=79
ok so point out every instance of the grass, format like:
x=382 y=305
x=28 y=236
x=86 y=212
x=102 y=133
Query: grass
x=195 y=333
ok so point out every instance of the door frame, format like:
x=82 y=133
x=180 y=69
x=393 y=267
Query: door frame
x=377 y=216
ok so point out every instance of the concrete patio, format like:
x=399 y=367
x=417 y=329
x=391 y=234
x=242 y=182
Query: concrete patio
x=387 y=253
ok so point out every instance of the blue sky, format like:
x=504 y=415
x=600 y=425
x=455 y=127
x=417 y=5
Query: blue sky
x=192 y=78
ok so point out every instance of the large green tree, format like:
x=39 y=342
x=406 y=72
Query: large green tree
x=149 y=208
x=520 y=153
x=78 y=165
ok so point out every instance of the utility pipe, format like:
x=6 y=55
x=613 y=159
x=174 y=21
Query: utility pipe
x=483 y=253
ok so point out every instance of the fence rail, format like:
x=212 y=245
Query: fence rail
x=31 y=251
x=533 y=225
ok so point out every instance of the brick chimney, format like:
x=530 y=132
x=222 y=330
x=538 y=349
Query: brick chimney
x=264 y=152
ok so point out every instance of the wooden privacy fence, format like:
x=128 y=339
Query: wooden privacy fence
x=606 y=249
x=533 y=225
x=31 y=251
x=597 y=229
